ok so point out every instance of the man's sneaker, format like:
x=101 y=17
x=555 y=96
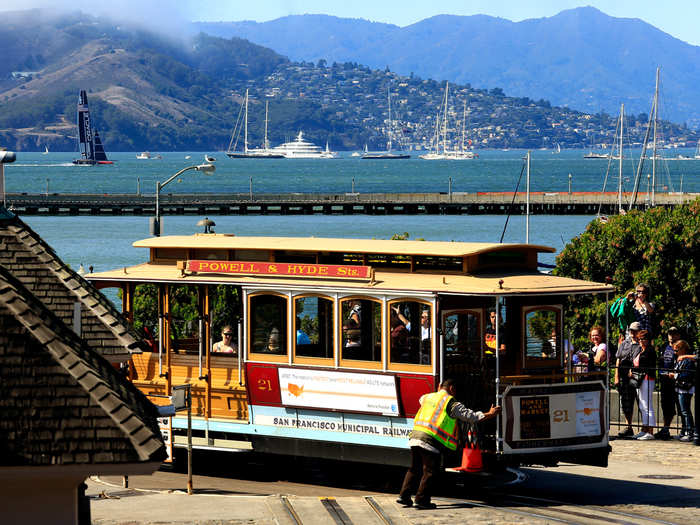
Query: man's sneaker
x=426 y=506
x=637 y=436
x=406 y=502
x=686 y=439
x=663 y=434
x=679 y=436
x=628 y=432
x=646 y=436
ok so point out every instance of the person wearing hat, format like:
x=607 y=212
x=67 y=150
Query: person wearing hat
x=667 y=384
x=628 y=350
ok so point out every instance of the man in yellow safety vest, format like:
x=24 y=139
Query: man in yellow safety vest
x=434 y=430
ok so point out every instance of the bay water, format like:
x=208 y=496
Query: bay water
x=105 y=242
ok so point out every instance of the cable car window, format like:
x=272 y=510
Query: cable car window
x=542 y=327
x=362 y=330
x=145 y=314
x=410 y=332
x=268 y=325
x=314 y=327
x=183 y=303
x=462 y=334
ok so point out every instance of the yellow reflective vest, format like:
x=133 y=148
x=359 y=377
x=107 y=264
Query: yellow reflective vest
x=433 y=419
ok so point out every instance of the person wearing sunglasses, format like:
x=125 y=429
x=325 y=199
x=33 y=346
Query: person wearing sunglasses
x=645 y=362
x=227 y=344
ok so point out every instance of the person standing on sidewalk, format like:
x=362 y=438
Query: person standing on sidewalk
x=684 y=374
x=628 y=350
x=667 y=385
x=645 y=362
x=435 y=430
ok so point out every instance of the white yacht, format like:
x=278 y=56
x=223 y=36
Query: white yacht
x=303 y=149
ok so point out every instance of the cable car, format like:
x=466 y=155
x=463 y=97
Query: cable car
x=332 y=342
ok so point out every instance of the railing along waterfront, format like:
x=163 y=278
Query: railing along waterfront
x=486 y=203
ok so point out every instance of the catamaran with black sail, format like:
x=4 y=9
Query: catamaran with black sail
x=91 y=150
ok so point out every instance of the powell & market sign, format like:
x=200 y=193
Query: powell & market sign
x=332 y=271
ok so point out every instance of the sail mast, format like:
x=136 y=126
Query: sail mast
x=619 y=182
x=388 y=97
x=245 y=134
x=464 y=122
x=265 y=143
x=444 y=121
x=653 y=158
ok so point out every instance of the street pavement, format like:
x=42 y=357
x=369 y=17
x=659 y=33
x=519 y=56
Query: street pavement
x=662 y=478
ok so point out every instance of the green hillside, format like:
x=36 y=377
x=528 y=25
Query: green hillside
x=150 y=92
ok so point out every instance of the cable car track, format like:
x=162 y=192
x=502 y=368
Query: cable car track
x=304 y=512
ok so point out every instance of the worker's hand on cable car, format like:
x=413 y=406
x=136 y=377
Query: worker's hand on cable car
x=493 y=412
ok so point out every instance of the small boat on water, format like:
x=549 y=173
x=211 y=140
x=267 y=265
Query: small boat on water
x=92 y=152
x=145 y=155
x=594 y=155
x=46 y=150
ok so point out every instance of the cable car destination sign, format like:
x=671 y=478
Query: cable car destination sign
x=327 y=271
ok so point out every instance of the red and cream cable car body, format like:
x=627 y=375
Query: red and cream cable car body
x=336 y=340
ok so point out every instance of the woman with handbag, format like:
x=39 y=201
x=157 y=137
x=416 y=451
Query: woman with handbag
x=643 y=374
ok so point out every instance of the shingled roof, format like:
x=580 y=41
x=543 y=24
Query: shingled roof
x=31 y=260
x=61 y=402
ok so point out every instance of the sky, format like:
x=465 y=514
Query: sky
x=678 y=18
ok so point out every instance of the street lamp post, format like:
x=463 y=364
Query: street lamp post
x=5 y=158
x=204 y=168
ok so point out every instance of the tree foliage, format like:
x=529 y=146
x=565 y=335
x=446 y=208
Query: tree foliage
x=659 y=247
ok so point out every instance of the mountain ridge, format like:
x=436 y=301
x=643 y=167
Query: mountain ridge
x=580 y=58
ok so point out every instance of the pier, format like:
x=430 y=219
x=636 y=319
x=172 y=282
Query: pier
x=487 y=203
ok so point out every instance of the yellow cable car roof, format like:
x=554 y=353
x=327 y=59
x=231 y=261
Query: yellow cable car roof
x=323 y=244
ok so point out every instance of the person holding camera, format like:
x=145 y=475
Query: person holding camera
x=643 y=308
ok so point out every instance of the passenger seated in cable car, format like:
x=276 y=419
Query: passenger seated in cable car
x=227 y=344
x=273 y=342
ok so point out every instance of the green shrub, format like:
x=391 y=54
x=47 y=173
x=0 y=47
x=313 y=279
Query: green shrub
x=659 y=247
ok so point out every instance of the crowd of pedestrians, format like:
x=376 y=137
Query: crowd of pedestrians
x=638 y=368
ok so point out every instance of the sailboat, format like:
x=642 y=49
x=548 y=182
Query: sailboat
x=388 y=154
x=327 y=153
x=92 y=151
x=248 y=153
x=446 y=154
x=46 y=150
